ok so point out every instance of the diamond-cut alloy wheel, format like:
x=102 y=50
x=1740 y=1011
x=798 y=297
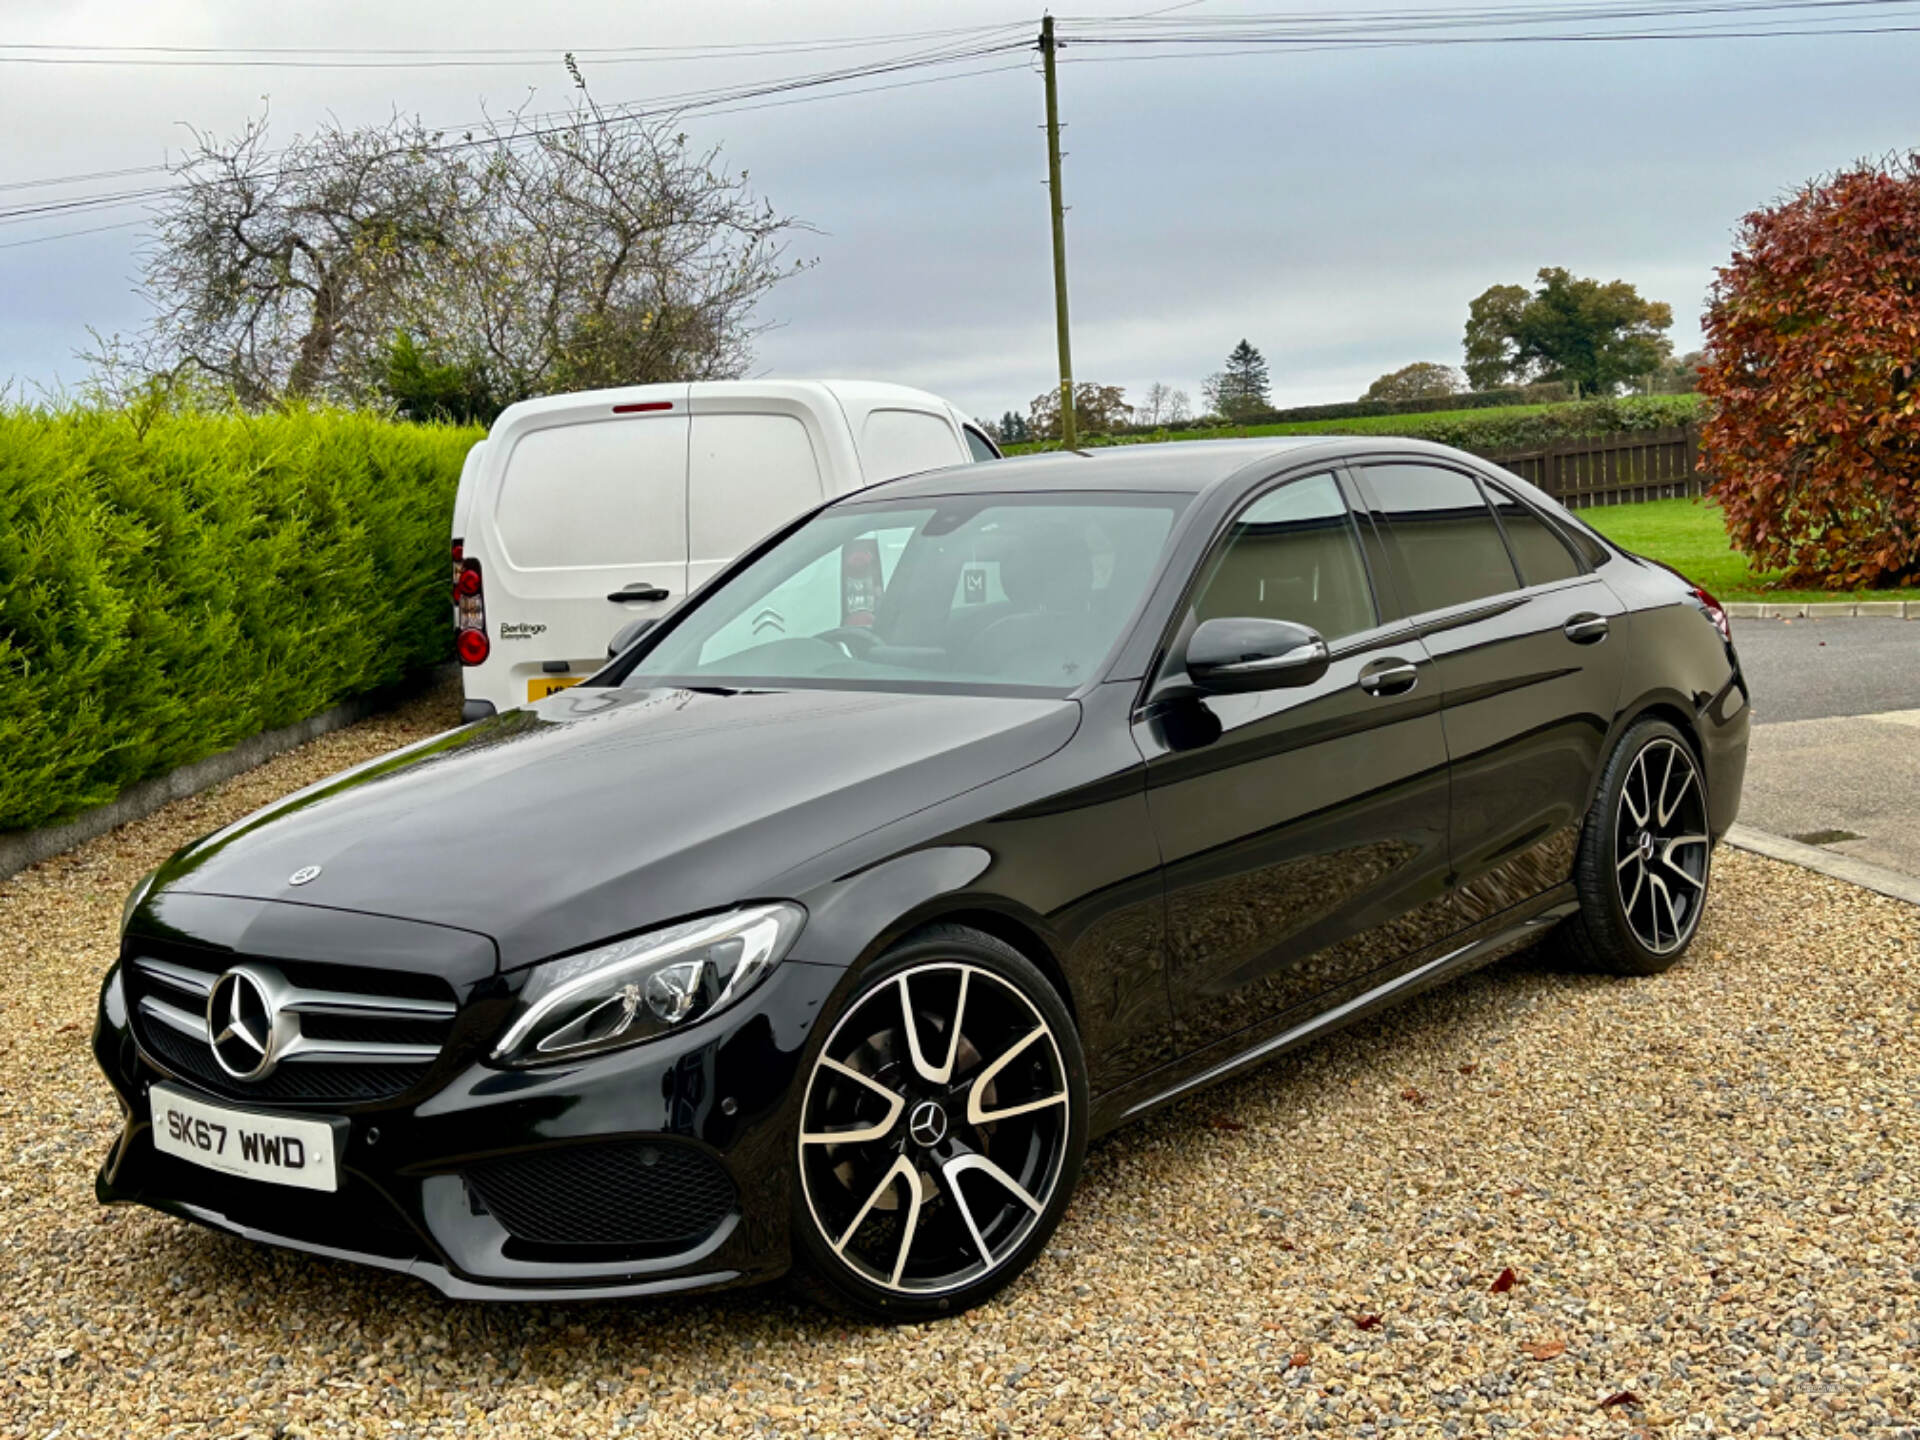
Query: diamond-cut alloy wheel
x=1645 y=858
x=1660 y=846
x=938 y=1127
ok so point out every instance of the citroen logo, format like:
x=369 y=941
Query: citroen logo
x=927 y=1125
x=242 y=1021
x=304 y=874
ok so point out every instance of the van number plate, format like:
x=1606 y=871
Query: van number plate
x=280 y=1149
x=551 y=685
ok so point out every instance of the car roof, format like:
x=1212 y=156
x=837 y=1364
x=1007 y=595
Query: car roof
x=1180 y=466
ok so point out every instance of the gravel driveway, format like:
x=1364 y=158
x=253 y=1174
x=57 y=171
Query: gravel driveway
x=1533 y=1203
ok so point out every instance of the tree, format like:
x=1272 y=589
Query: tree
x=1239 y=391
x=1812 y=377
x=1179 y=407
x=1152 y=409
x=1591 y=334
x=1013 y=429
x=475 y=270
x=1097 y=410
x=1680 y=376
x=421 y=389
x=1422 y=380
x=1493 y=323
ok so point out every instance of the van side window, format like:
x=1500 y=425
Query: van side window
x=1538 y=547
x=978 y=445
x=905 y=442
x=747 y=476
x=1443 y=535
x=604 y=493
x=1292 y=555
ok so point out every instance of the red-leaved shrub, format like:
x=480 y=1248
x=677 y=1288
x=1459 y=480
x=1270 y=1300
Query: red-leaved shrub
x=1813 y=382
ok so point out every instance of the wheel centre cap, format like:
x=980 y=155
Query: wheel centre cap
x=1646 y=845
x=927 y=1124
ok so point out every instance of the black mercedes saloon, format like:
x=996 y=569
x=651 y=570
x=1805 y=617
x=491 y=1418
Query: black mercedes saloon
x=970 y=816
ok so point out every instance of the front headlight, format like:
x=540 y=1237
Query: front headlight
x=134 y=897
x=646 y=985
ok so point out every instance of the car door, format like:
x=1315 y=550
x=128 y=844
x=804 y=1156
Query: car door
x=1302 y=831
x=1529 y=664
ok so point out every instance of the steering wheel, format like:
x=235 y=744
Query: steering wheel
x=855 y=640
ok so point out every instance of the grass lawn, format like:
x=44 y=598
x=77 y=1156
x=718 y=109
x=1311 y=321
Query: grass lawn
x=1360 y=424
x=1689 y=535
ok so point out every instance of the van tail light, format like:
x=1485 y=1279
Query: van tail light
x=1716 y=612
x=469 y=611
x=473 y=647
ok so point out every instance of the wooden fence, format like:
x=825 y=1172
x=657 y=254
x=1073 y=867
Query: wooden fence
x=1613 y=469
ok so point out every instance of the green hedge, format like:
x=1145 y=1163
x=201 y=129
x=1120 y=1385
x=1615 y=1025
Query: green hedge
x=172 y=586
x=1486 y=432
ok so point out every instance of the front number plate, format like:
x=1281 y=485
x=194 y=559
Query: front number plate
x=278 y=1149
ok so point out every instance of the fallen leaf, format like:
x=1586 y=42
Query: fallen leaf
x=1545 y=1349
x=1503 y=1282
x=1225 y=1122
x=1516 y=1192
x=1367 y=1322
x=1620 y=1397
x=1468 y=1069
x=1300 y=1360
x=1413 y=1096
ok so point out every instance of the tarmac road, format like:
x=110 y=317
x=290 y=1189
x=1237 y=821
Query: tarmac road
x=1835 y=757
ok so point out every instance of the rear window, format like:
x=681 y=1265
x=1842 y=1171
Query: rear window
x=610 y=492
x=905 y=442
x=1448 y=548
x=1542 y=555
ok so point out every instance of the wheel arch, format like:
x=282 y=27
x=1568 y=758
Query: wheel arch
x=1660 y=705
x=1010 y=930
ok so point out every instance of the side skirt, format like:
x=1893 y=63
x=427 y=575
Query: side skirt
x=1493 y=940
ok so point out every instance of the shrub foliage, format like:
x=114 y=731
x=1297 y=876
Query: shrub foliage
x=1813 y=343
x=170 y=586
x=1485 y=432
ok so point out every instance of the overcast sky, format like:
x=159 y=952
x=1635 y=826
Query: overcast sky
x=1337 y=209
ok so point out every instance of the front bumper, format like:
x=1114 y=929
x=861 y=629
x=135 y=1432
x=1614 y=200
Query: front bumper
x=722 y=1096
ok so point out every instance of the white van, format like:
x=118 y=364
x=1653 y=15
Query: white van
x=579 y=514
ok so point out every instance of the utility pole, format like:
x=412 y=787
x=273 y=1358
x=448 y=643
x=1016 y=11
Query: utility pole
x=1068 y=431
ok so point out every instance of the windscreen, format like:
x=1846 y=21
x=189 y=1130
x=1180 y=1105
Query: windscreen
x=974 y=593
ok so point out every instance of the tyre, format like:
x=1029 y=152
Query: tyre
x=1645 y=857
x=941 y=1130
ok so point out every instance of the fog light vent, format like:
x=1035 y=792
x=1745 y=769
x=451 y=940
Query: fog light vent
x=656 y=1194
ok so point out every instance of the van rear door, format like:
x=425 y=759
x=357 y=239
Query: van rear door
x=589 y=527
x=755 y=462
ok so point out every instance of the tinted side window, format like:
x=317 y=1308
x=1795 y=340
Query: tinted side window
x=977 y=445
x=1543 y=555
x=1292 y=555
x=1449 y=548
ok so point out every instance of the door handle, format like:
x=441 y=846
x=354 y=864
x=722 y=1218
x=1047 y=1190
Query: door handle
x=1586 y=629
x=639 y=590
x=1389 y=677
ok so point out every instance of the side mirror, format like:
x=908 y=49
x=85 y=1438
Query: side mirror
x=627 y=634
x=1231 y=655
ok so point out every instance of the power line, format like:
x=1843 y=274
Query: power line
x=430 y=57
x=687 y=102
x=720 y=103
